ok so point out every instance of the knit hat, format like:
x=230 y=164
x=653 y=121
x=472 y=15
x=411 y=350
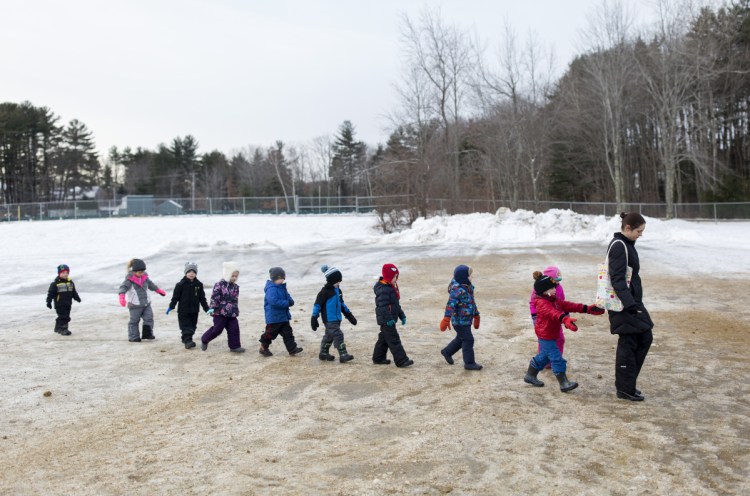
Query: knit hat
x=333 y=275
x=543 y=283
x=461 y=274
x=276 y=273
x=137 y=264
x=389 y=272
x=229 y=268
x=191 y=266
x=62 y=268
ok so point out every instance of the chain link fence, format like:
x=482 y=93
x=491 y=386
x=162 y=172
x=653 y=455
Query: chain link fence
x=146 y=205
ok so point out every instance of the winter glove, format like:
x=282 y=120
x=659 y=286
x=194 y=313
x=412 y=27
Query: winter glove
x=168 y=310
x=210 y=312
x=314 y=323
x=403 y=320
x=351 y=318
x=445 y=324
x=161 y=292
x=78 y=299
x=290 y=302
x=570 y=323
x=391 y=323
x=533 y=319
x=49 y=305
x=122 y=300
x=593 y=310
x=476 y=322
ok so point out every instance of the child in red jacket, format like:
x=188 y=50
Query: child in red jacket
x=550 y=312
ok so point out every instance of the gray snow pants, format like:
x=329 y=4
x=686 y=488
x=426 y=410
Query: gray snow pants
x=136 y=314
x=333 y=334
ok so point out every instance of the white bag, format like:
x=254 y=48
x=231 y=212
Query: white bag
x=606 y=296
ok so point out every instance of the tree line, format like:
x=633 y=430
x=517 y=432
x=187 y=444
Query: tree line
x=644 y=114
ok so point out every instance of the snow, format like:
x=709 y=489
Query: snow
x=100 y=248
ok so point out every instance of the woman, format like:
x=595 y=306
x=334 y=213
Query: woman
x=633 y=324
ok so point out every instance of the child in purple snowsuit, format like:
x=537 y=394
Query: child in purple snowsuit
x=554 y=273
x=225 y=310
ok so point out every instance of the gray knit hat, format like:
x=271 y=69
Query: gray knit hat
x=191 y=266
x=276 y=273
x=137 y=264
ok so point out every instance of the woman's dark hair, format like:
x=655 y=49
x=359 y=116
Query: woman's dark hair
x=633 y=219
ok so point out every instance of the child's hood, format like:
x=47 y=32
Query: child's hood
x=229 y=268
x=552 y=271
x=454 y=285
x=272 y=285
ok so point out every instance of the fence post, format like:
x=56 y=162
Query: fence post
x=356 y=204
x=640 y=208
x=715 y=212
x=75 y=210
x=210 y=207
x=243 y=204
x=276 y=201
x=296 y=204
x=40 y=211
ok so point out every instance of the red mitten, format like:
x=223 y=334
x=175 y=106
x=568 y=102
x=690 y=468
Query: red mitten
x=594 y=310
x=161 y=292
x=476 y=322
x=445 y=324
x=122 y=300
x=570 y=323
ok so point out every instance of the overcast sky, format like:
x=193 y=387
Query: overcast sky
x=234 y=73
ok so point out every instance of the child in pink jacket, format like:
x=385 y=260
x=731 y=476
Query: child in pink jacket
x=554 y=273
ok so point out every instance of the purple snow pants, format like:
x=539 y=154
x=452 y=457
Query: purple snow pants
x=220 y=323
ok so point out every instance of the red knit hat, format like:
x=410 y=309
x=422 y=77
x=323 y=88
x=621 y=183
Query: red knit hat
x=389 y=272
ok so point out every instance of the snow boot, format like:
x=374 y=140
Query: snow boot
x=472 y=366
x=383 y=361
x=565 y=384
x=64 y=330
x=147 y=333
x=295 y=351
x=344 y=356
x=631 y=397
x=189 y=345
x=530 y=376
x=406 y=363
x=324 y=352
x=136 y=340
x=263 y=350
x=204 y=346
x=239 y=349
x=447 y=357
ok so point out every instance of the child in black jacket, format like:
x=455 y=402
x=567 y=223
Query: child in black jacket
x=387 y=311
x=190 y=295
x=62 y=291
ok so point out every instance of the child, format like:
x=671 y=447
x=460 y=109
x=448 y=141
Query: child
x=552 y=310
x=191 y=297
x=63 y=292
x=225 y=310
x=387 y=311
x=134 y=294
x=276 y=305
x=461 y=310
x=330 y=304
x=554 y=273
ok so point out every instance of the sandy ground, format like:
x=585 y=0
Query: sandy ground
x=154 y=418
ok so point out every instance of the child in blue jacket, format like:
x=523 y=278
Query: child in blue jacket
x=329 y=305
x=462 y=311
x=276 y=305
